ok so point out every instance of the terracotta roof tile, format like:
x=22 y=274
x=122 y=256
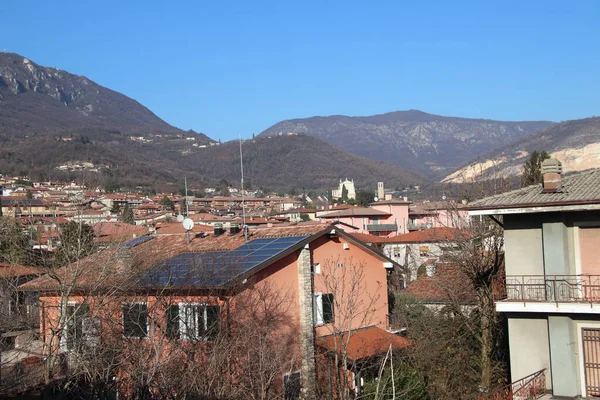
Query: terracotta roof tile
x=118 y=230
x=14 y=270
x=161 y=247
x=354 y=212
x=447 y=283
x=575 y=189
x=364 y=237
x=363 y=343
x=430 y=235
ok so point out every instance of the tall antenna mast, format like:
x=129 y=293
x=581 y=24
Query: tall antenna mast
x=186 y=200
x=242 y=182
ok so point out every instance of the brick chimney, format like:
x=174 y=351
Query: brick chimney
x=551 y=175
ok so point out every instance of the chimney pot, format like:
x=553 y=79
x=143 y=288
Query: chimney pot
x=551 y=175
x=430 y=270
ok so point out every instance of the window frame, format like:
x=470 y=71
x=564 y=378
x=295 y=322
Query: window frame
x=68 y=344
x=205 y=334
x=318 y=309
x=286 y=378
x=147 y=328
x=316 y=268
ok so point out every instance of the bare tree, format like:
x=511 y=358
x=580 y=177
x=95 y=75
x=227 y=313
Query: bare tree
x=350 y=304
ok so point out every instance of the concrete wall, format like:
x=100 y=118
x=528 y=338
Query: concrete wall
x=564 y=355
x=556 y=249
x=523 y=245
x=529 y=347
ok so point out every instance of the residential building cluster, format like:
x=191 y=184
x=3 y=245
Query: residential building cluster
x=330 y=267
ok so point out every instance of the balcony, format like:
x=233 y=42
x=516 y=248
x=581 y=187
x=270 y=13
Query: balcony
x=552 y=293
x=412 y=226
x=382 y=227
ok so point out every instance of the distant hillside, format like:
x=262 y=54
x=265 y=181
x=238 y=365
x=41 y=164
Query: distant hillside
x=575 y=143
x=275 y=163
x=54 y=124
x=41 y=100
x=429 y=144
x=297 y=162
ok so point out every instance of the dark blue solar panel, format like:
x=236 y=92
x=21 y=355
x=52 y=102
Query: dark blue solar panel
x=137 y=240
x=217 y=268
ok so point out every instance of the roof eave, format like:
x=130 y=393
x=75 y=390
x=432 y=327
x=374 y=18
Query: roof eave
x=528 y=208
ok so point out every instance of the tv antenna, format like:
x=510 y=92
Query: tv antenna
x=242 y=191
x=185 y=200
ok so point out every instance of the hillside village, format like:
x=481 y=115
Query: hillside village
x=98 y=271
x=323 y=240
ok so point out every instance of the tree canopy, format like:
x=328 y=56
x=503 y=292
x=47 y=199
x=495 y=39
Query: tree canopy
x=128 y=214
x=532 y=169
x=167 y=202
x=76 y=242
x=344 y=194
x=364 y=197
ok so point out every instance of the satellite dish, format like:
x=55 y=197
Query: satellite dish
x=375 y=198
x=188 y=224
x=180 y=218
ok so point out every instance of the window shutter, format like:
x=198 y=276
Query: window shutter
x=135 y=320
x=328 y=314
x=172 y=326
x=91 y=331
x=318 y=308
x=212 y=321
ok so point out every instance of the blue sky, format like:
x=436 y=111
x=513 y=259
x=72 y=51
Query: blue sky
x=234 y=68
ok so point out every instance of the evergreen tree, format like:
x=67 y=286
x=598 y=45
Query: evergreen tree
x=344 y=194
x=364 y=197
x=128 y=214
x=532 y=169
x=116 y=208
x=167 y=202
x=14 y=246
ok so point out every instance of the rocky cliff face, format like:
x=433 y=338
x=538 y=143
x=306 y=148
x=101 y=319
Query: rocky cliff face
x=430 y=144
x=35 y=98
x=575 y=143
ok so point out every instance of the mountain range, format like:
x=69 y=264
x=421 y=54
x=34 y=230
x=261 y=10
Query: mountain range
x=59 y=125
x=429 y=144
x=575 y=143
x=51 y=119
x=37 y=99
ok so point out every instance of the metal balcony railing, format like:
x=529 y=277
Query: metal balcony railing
x=419 y=226
x=553 y=288
x=382 y=227
x=530 y=387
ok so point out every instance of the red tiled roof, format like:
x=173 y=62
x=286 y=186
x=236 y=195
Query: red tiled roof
x=103 y=267
x=391 y=202
x=175 y=228
x=364 y=237
x=14 y=270
x=448 y=283
x=430 y=235
x=363 y=343
x=109 y=231
x=355 y=211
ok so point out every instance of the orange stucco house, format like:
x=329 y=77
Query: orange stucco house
x=330 y=290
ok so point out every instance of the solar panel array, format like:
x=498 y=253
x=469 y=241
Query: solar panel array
x=137 y=240
x=218 y=267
